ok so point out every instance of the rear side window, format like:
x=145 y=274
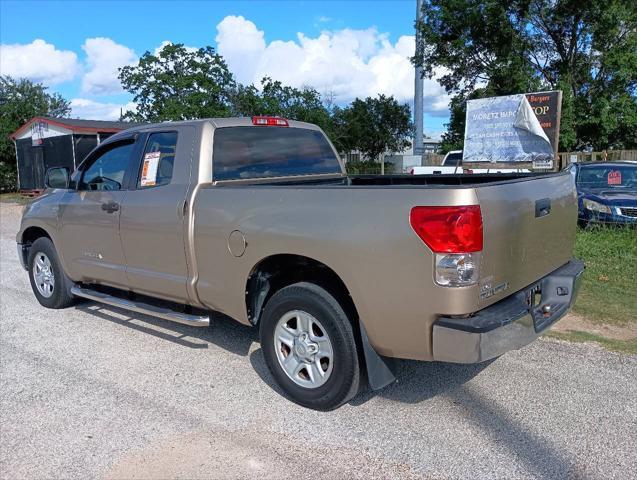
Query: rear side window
x=259 y=152
x=158 y=160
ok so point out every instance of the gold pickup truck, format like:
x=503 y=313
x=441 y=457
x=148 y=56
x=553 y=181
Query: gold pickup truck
x=257 y=219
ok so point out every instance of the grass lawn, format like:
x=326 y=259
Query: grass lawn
x=624 y=346
x=13 y=198
x=609 y=286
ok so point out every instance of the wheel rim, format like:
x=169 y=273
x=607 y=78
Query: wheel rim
x=43 y=274
x=304 y=349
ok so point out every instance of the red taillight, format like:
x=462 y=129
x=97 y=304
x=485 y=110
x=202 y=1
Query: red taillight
x=449 y=229
x=270 y=121
x=469 y=171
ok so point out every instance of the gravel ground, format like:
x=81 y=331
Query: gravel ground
x=96 y=392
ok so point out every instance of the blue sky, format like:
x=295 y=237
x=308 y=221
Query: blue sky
x=347 y=48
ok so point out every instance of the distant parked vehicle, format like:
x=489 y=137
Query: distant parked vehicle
x=607 y=192
x=452 y=163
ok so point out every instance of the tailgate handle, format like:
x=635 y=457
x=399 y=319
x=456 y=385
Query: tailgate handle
x=542 y=207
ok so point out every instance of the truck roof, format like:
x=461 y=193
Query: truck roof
x=218 y=123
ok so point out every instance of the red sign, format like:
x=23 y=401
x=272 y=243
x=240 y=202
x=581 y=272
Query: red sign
x=614 y=177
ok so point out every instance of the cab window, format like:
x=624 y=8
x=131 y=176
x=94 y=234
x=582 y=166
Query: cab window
x=260 y=152
x=158 y=160
x=106 y=171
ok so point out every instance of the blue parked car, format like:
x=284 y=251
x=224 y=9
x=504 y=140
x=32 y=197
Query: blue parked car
x=607 y=192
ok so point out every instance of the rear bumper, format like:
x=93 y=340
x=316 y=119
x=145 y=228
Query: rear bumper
x=509 y=324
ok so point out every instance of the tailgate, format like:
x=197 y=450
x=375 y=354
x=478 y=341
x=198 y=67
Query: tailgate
x=529 y=231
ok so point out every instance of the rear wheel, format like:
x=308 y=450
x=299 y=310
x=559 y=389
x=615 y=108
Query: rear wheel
x=308 y=344
x=50 y=284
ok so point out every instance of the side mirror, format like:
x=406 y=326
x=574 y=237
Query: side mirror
x=57 y=177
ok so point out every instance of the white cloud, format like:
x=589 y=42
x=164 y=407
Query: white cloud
x=241 y=45
x=161 y=47
x=92 y=110
x=103 y=58
x=38 y=61
x=348 y=63
x=168 y=42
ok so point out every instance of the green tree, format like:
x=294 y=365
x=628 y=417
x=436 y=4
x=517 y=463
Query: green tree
x=179 y=84
x=274 y=98
x=21 y=100
x=586 y=48
x=376 y=125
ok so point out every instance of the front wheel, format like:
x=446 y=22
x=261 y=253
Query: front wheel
x=50 y=284
x=309 y=346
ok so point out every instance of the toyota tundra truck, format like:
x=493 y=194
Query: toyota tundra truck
x=257 y=219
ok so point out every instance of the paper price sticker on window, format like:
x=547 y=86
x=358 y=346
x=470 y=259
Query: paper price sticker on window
x=614 y=177
x=149 y=170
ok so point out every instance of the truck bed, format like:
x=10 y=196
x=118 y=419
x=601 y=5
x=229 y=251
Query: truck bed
x=467 y=180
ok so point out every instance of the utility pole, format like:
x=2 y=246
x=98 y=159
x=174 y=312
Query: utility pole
x=418 y=90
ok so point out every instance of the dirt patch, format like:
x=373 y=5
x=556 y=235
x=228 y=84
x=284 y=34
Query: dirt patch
x=576 y=323
x=226 y=455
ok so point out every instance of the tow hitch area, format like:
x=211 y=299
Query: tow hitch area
x=511 y=323
x=552 y=297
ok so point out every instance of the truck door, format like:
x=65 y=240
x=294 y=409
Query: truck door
x=89 y=216
x=153 y=223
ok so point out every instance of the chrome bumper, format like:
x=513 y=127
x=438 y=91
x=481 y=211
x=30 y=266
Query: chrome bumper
x=509 y=324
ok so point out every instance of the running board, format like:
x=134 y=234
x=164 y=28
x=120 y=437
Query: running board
x=139 y=307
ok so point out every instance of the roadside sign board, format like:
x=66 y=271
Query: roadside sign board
x=547 y=107
x=514 y=128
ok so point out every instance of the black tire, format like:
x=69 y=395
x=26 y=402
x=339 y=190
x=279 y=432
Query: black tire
x=343 y=381
x=60 y=296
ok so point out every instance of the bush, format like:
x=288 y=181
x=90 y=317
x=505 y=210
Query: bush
x=8 y=178
x=367 y=168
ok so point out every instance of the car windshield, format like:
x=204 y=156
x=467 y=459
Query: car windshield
x=608 y=176
x=453 y=160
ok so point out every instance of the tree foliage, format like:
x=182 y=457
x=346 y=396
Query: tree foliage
x=276 y=99
x=376 y=125
x=20 y=101
x=586 y=48
x=179 y=84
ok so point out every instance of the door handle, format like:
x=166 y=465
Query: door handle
x=110 y=207
x=542 y=207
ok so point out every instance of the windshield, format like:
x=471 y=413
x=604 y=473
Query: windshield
x=259 y=152
x=453 y=159
x=607 y=176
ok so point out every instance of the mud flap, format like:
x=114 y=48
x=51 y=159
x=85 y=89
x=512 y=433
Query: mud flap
x=380 y=370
